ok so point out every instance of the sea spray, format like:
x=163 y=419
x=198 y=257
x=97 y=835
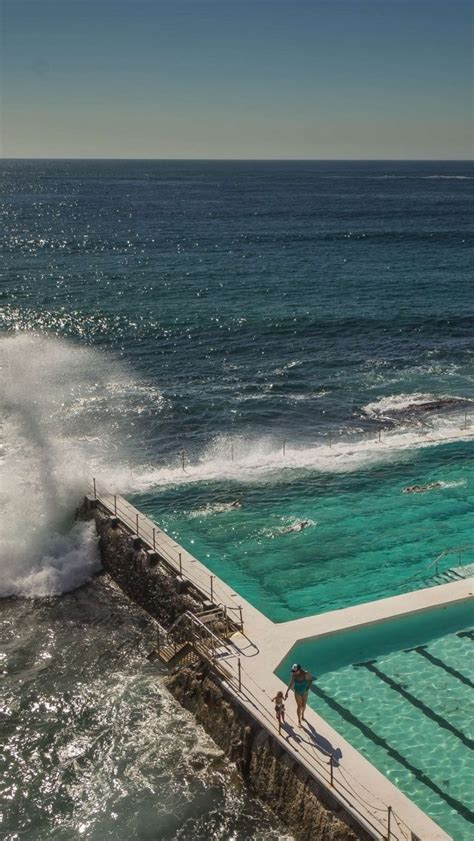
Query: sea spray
x=263 y=459
x=68 y=412
x=61 y=413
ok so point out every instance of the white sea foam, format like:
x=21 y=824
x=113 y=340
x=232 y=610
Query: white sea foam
x=61 y=410
x=395 y=404
x=66 y=410
x=421 y=177
x=263 y=460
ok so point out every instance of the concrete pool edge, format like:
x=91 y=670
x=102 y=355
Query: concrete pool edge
x=383 y=610
x=265 y=644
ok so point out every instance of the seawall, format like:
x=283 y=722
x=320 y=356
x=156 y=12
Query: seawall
x=141 y=574
x=305 y=806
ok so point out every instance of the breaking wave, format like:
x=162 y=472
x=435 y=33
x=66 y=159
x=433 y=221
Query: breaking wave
x=417 y=402
x=62 y=409
x=264 y=460
x=69 y=412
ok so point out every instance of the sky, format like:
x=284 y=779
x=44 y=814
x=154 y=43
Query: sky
x=272 y=79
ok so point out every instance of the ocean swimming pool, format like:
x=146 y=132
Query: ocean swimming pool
x=400 y=692
x=366 y=538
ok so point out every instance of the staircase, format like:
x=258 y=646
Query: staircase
x=457 y=573
x=171 y=653
x=191 y=638
x=454 y=574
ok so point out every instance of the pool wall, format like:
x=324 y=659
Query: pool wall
x=368 y=641
x=262 y=647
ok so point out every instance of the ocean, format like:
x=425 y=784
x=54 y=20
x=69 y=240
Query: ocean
x=294 y=336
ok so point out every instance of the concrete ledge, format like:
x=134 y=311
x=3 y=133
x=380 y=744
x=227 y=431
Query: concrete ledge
x=268 y=644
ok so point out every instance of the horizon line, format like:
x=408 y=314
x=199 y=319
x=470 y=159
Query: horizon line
x=241 y=160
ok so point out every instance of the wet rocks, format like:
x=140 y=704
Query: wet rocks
x=138 y=572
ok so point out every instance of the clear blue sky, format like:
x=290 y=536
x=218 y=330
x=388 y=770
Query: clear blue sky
x=237 y=78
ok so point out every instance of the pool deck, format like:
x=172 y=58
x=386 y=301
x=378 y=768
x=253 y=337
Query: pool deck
x=262 y=647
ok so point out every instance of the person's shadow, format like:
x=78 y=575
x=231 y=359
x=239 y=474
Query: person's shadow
x=322 y=744
x=290 y=732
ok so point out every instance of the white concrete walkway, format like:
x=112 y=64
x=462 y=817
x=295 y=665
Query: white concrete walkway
x=363 y=790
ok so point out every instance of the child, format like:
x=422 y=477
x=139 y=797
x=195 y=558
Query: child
x=279 y=709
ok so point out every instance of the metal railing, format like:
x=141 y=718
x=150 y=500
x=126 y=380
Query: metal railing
x=335 y=437
x=459 y=550
x=377 y=817
x=173 y=555
x=383 y=822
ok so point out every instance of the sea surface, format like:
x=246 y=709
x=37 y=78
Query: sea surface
x=296 y=337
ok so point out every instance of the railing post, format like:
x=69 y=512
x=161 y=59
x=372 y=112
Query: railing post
x=137 y=521
x=95 y=491
x=115 y=504
x=331 y=764
x=389 y=823
x=241 y=618
x=154 y=547
x=239 y=669
x=212 y=587
x=180 y=565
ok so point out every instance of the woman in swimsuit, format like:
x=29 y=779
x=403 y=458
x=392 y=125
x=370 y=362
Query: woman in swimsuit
x=300 y=683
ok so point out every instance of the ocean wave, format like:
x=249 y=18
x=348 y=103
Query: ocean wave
x=62 y=409
x=418 y=177
x=397 y=404
x=257 y=460
x=55 y=564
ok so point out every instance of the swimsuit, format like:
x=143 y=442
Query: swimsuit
x=301 y=686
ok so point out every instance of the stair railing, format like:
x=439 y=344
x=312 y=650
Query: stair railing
x=451 y=551
x=198 y=631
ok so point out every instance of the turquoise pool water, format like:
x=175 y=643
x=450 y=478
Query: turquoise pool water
x=366 y=539
x=401 y=693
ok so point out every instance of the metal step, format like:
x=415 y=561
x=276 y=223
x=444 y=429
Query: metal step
x=171 y=653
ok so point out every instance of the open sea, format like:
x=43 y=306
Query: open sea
x=296 y=337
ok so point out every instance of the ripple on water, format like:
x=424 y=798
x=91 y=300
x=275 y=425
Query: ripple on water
x=95 y=746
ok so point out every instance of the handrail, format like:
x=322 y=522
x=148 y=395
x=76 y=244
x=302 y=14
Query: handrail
x=342 y=791
x=451 y=552
x=187 y=615
x=112 y=504
x=339 y=785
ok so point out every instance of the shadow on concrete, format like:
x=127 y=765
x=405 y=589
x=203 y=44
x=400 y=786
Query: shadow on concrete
x=322 y=744
x=290 y=733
